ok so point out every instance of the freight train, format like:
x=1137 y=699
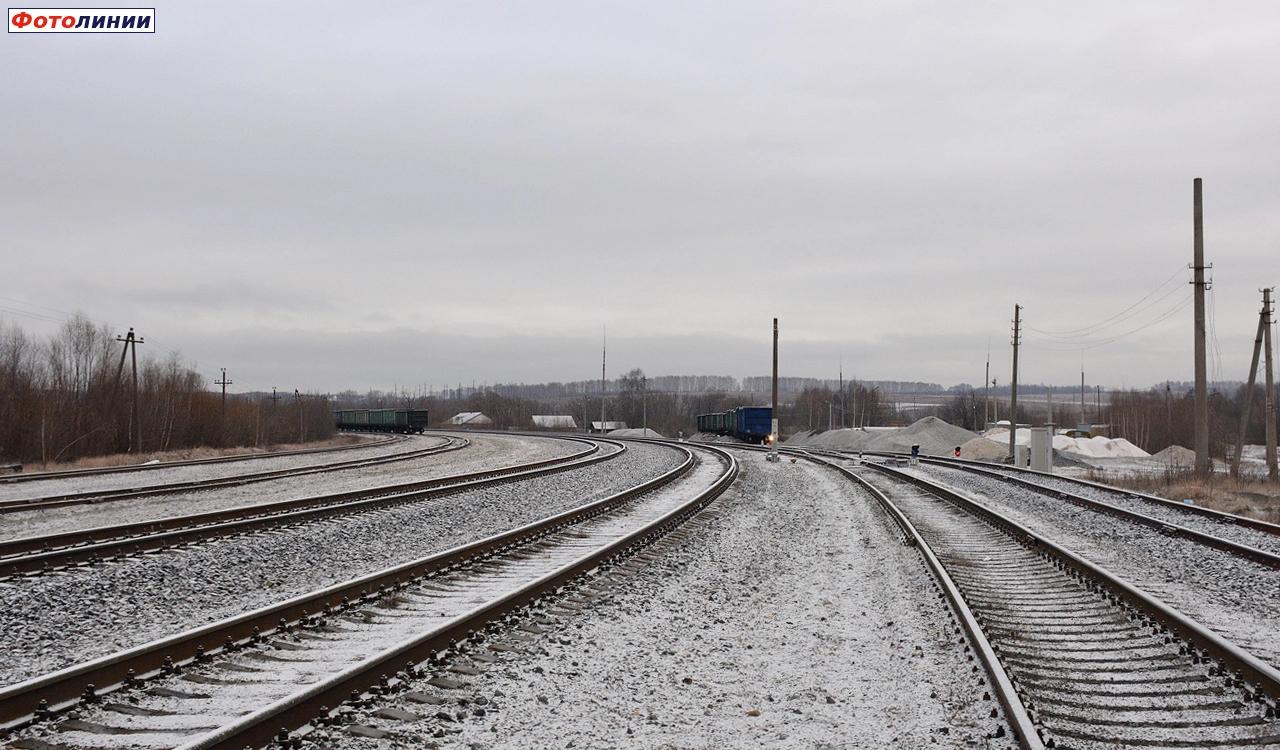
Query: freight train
x=751 y=424
x=381 y=420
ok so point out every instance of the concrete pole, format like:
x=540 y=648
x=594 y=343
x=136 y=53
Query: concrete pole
x=1273 y=472
x=137 y=425
x=986 y=391
x=1202 y=384
x=1013 y=384
x=1248 y=389
x=604 y=350
x=774 y=413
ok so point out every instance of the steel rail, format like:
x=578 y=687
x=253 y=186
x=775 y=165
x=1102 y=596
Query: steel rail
x=20 y=505
x=1173 y=529
x=101 y=470
x=1016 y=713
x=1218 y=515
x=44 y=553
x=36 y=698
x=1263 y=676
x=261 y=727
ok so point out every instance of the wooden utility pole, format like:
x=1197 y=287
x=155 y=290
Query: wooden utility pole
x=297 y=397
x=1013 y=384
x=1273 y=472
x=1202 y=384
x=1248 y=389
x=224 y=383
x=135 y=427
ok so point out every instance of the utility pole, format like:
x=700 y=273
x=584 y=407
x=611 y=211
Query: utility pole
x=773 y=437
x=842 y=393
x=1202 y=385
x=135 y=433
x=224 y=383
x=644 y=405
x=1248 y=389
x=1083 y=420
x=604 y=344
x=986 y=390
x=1050 y=401
x=1013 y=385
x=297 y=397
x=1273 y=472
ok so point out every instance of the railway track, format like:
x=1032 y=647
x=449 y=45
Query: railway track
x=1183 y=513
x=1090 y=660
x=93 y=546
x=246 y=680
x=103 y=470
x=19 y=505
x=1247 y=538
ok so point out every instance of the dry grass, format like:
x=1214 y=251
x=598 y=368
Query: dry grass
x=1256 y=498
x=124 y=459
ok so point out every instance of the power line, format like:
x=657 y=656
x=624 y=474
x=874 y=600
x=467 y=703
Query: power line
x=1133 y=311
x=1114 y=319
x=1063 y=346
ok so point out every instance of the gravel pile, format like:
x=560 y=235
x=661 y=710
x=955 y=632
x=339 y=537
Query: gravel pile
x=196 y=472
x=53 y=621
x=793 y=619
x=485 y=452
x=934 y=436
x=982 y=449
x=1229 y=595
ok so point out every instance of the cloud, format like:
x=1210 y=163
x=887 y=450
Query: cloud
x=292 y=194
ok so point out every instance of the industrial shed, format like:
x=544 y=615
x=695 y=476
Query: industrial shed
x=469 y=419
x=554 y=422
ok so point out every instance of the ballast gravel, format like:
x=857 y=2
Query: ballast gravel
x=52 y=621
x=1165 y=512
x=198 y=472
x=1230 y=595
x=484 y=452
x=793 y=617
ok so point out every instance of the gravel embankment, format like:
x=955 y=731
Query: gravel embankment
x=197 y=472
x=1232 y=596
x=794 y=618
x=52 y=621
x=485 y=452
x=1192 y=520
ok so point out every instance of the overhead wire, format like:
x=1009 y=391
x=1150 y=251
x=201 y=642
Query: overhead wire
x=1145 y=303
x=1064 y=346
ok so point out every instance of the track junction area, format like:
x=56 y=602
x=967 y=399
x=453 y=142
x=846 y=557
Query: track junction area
x=504 y=590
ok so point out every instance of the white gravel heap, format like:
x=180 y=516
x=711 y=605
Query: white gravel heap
x=935 y=437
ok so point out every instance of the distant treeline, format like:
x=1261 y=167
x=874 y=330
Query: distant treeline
x=66 y=396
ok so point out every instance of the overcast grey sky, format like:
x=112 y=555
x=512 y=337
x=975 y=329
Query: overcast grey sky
x=333 y=195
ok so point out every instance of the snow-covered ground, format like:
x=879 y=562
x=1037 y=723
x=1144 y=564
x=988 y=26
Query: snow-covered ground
x=200 y=472
x=791 y=618
x=52 y=621
x=485 y=452
x=419 y=609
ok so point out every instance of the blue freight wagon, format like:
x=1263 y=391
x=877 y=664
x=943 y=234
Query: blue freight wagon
x=750 y=424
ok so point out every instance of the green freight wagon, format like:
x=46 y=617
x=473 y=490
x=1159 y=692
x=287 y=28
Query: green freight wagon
x=381 y=420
